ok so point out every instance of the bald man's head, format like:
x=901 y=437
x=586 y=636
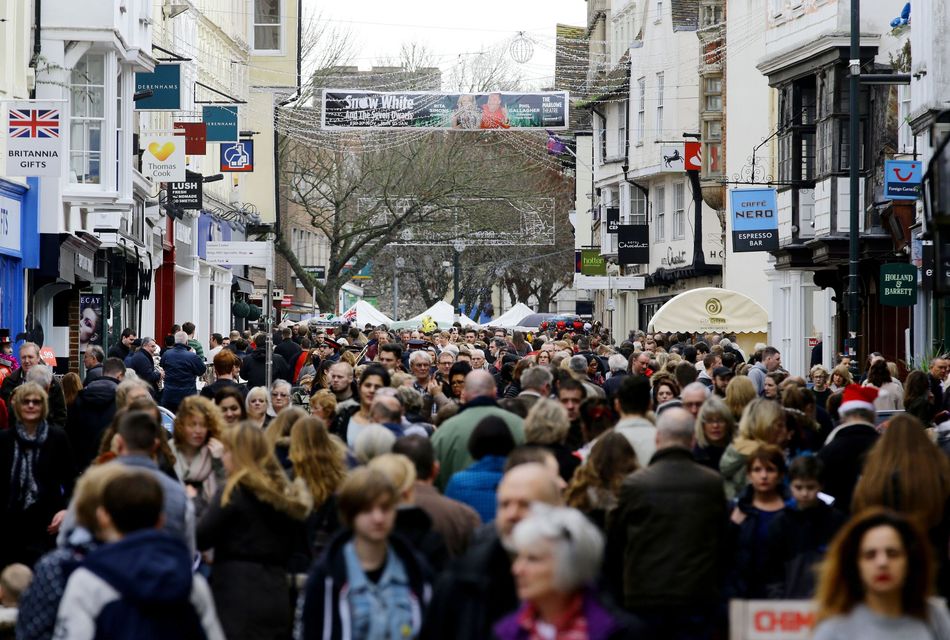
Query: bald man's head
x=479 y=384
x=522 y=485
x=675 y=428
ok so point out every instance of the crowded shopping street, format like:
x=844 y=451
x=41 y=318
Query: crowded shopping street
x=560 y=320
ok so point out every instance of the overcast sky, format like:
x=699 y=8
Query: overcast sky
x=449 y=29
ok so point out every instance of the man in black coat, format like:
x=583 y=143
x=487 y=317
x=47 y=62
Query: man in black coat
x=477 y=589
x=124 y=346
x=92 y=361
x=92 y=412
x=847 y=445
x=287 y=348
x=666 y=540
x=254 y=367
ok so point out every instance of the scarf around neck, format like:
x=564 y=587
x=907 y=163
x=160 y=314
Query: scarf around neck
x=26 y=452
x=199 y=471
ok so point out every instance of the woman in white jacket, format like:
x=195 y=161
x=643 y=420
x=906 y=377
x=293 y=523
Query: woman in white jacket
x=891 y=394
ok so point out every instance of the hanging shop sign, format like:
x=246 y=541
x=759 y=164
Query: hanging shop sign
x=196 y=136
x=577 y=261
x=672 y=159
x=34 y=144
x=694 y=156
x=902 y=179
x=187 y=195
x=90 y=320
x=359 y=109
x=898 y=284
x=237 y=156
x=613 y=219
x=164 y=83
x=10 y=225
x=754 y=220
x=592 y=263
x=163 y=156
x=633 y=244
x=221 y=123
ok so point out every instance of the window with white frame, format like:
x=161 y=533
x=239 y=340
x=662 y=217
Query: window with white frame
x=638 y=206
x=623 y=115
x=624 y=204
x=119 y=147
x=659 y=220
x=267 y=26
x=641 y=109
x=602 y=136
x=87 y=118
x=659 y=11
x=679 y=211
x=712 y=93
x=659 y=106
x=905 y=135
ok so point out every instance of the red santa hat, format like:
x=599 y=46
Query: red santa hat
x=857 y=397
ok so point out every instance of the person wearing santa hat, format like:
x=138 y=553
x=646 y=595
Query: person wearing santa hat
x=845 y=449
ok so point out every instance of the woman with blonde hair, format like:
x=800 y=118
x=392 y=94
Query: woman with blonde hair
x=197 y=450
x=762 y=423
x=547 y=426
x=319 y=460
x=257 y=404
x=278 y=433
x=595 y=488
x=739 y=393
x=840 y=377
x=253 y=524
x=715 y=429
x=876 y=581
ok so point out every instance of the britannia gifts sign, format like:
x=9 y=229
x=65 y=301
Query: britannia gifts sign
x=34 y=144
x=754 y=220
x=633 y=244
x=358 y=109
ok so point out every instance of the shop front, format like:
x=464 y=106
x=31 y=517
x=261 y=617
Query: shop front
x=19 y=249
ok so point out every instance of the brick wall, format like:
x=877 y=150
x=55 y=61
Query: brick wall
x=74 y=356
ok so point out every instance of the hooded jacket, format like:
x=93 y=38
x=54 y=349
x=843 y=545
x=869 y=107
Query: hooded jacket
x=140 y=587
x=323 y=610
x=89 y=416
x=254 y=368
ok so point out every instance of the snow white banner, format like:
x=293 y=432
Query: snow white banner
x=356 y=109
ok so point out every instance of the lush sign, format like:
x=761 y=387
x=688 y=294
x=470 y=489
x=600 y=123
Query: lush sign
x=592 y=263
x=360 y=109
x=754 y=220
x=898 y=285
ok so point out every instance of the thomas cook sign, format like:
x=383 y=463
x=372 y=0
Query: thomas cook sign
x=754 y=220
x=898 y=285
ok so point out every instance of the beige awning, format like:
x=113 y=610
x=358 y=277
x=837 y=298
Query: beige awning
x=711 y=309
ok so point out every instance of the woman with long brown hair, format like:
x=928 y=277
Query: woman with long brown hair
x=762 y=422
x=197 y=450
x=739 y=392
x=595 y=487
x=906 y=472
x=876 y=580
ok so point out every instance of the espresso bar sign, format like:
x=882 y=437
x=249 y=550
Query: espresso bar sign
x=633 y=244
x=898 y=285
x=754 y=220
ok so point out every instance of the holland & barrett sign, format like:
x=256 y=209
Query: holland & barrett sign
x=898 y=285
x=754 y=220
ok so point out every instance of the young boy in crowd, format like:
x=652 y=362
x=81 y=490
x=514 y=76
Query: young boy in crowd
x=799 y=536
x=14 y=580
x=140 y=583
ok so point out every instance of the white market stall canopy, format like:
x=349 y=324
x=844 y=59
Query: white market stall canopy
x=511 y=318
x=363 y=313
x=441 y=313
x=711 y=309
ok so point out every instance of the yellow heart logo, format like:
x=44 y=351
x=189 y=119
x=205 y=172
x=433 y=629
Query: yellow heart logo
x=161 y=151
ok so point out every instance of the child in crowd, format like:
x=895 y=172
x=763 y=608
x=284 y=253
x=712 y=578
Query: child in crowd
x=799 y=536
x=14 y=580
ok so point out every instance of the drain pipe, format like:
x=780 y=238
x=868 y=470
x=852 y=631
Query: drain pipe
x=37 y=42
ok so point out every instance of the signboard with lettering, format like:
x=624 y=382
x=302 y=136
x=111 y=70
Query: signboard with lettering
x=771 y=619
x=221 y=123
x=163 y=156
x=902 y=179
x=754 y=220
x=613 y=219
x=34 y=143
x=633 y=244
x=592 y=263
x=196 y=135
x=187 y=195
x=898 y=284
x=9 y=225
x=164 y=83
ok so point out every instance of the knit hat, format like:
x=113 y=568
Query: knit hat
x=857 y=397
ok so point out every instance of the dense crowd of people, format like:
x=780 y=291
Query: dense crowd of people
x=467 y=483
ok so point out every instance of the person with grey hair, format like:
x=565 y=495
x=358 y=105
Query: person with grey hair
x=578 y=366
x=92 y=360
x=182 y=366
x=451 y=439
x=41 y=375
x=279 y=396
x=535 y=384
x=420 y=365
x=693 y=396
x=619 y=368
x=559 y=555
x=373 y=440
x=29 y=358
x=546 y=426
x=666 y=539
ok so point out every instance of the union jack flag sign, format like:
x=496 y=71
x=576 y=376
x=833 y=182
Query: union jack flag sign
x=34 y=123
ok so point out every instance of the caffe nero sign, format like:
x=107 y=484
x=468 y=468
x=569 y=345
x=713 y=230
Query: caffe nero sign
x=898 y=285
x=754 y=220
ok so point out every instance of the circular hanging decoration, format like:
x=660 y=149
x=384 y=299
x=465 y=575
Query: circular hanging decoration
x=254 y=313
x=240 y=309
x=522 y=49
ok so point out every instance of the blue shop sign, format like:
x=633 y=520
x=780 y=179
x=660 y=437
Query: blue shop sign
x=164 y=83
x=902 y=179
x=754 y=220
x=221 y=123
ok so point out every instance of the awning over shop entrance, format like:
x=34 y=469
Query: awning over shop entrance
x=711 y=309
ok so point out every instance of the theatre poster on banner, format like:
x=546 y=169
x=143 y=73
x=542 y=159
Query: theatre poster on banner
x=754 y=220
x=613 y=219
x=633 y=244
x=34 y=141
x=498 y=110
